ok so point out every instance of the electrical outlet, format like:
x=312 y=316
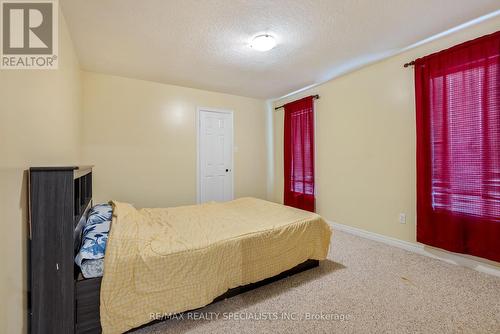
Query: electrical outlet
x=402 y=218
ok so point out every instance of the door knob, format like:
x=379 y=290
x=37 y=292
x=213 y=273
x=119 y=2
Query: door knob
x=227 y=170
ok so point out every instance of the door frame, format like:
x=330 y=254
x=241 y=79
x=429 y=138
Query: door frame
x=199 y=110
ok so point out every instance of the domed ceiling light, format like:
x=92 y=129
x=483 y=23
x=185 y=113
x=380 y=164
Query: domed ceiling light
x=263 y=43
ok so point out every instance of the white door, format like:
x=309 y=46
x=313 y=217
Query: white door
x=215 y=156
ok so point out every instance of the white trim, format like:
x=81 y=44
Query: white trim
x=471 y=262
x=198 y=167
x=270 y=150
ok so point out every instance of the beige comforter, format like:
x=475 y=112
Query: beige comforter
x=177 y=259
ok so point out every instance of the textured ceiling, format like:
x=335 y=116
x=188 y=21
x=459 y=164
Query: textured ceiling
x=204 y=44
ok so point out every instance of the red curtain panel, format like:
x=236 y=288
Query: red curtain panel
x=299 y=154
x=458 y=148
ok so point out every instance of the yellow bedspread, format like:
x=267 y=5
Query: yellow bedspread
x=177 y=259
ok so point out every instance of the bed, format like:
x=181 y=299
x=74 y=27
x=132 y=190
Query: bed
x=177 y=259
x=170 y=260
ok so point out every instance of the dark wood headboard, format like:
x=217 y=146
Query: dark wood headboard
x=83 y=202
x=59 y=199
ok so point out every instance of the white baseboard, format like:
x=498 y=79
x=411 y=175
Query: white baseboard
x=471 y=262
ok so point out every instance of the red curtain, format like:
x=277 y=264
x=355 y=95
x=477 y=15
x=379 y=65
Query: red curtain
x=299 y=154
x=458 y=148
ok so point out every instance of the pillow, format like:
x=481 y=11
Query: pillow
x=92 y=268
x=95 y=233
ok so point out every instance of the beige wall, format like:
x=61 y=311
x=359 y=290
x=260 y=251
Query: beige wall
x=141 y=137
x=365 y=142
x=39 y=125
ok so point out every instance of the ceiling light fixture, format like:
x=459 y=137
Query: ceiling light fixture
x=263 y=43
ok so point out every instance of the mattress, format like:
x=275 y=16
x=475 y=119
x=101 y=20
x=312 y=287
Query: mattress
x=167 y=261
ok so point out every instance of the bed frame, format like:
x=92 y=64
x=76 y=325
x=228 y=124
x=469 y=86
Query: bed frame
x=60 y=300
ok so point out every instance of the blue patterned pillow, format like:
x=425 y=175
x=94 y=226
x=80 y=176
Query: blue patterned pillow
x=95 y=233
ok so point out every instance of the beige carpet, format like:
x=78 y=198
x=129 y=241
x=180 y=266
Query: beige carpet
x=364 y=287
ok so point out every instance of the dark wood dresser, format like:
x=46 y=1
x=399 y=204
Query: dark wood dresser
x=59 y=199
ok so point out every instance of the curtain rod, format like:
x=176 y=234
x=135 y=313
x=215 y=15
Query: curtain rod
x=313 y=96
x=411 y=63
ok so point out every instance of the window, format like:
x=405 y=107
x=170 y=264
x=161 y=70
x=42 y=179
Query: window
x=463 y=139
x=299 y=154
x=458 y=148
